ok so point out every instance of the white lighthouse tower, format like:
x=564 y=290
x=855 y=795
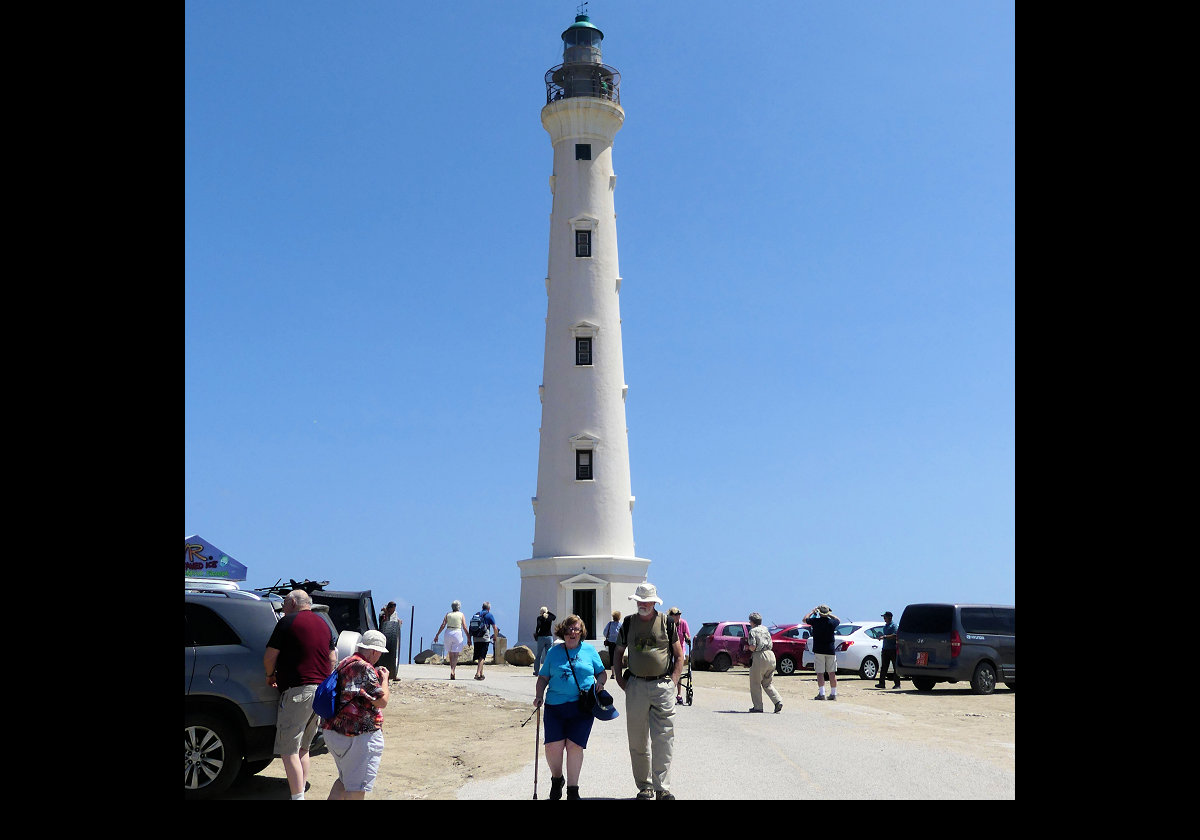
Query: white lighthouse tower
x=583 y=554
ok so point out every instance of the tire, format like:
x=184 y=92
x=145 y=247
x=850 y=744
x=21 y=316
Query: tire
x=347 y=643
x=983 y=681
x=212 y=755
x=869 y=668
x=721 y=662
x=923 y=683
x=786 y=666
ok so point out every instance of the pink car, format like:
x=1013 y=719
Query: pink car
x=719 y=644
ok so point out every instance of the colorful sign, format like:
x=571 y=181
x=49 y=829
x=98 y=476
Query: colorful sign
x=201 y=559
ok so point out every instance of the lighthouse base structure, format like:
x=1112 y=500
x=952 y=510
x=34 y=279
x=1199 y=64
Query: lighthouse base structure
x=590 y=586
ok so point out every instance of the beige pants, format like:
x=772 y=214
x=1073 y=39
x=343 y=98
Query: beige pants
x=650 y=724
x=762 y=672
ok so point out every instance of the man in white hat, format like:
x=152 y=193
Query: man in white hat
x=354 y=734
x=653 y=670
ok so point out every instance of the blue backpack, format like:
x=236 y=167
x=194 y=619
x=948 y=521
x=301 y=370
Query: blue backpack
x=325 y=700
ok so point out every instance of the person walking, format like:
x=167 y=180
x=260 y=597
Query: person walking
x=300 y=654
x=354 y=734
x=823 y=623
x=888 y=654
x=762 y=666
x=610 y=638
x=542 y=629
x=569 y=671
x=455 y=625
x=655 y=664
x=682 y=630
x=481 y=635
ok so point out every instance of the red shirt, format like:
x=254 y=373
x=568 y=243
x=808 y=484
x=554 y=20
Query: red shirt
x=303 y=640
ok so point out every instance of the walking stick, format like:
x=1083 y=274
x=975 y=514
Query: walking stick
x=536 y=737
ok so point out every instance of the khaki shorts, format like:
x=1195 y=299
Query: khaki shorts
x=825 y=662
x=297 y=722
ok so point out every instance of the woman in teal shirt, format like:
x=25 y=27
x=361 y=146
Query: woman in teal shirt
x=568 y=669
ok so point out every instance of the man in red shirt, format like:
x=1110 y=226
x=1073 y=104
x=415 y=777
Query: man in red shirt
x=301 y=653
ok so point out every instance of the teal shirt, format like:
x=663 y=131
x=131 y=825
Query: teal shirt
x=556 y=668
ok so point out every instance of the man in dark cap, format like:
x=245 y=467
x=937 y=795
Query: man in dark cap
x=890 y=631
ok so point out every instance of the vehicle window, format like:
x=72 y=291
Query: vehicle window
x=978 y=620
x=1006 y=620
x=793 y=633
x=875 y=632
x=927 y=618
x=846 y=629
x=707 y=630
x=343 y=615
x=734 y=630
x=203 y=627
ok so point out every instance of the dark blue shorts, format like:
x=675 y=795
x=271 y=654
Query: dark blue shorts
x=565 y=721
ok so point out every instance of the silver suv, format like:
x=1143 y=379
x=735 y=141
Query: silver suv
x=228 y=709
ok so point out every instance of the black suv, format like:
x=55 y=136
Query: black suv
x=229 y=710
x=952 y=642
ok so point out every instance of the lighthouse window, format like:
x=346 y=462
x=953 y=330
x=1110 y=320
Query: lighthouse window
x=583 y=351
x=583 y=465
x=583 y=243
x=583 y=151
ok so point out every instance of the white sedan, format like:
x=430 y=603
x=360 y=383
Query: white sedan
x=858 y=646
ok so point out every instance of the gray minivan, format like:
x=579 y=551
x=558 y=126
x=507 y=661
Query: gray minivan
x=951 y=642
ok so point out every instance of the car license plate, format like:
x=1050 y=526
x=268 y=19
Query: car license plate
x=922 y=657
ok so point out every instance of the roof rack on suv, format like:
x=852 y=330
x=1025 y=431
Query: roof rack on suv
x=227 y=593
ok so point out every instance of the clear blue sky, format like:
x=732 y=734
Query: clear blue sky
x=815 y=206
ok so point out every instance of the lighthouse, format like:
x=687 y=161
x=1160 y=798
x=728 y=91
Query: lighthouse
x=583 y=559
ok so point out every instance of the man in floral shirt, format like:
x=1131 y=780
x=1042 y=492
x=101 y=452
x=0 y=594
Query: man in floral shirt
x=355 y=733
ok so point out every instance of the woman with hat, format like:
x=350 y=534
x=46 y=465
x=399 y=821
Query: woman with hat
x=354 y=734
x=569 y=671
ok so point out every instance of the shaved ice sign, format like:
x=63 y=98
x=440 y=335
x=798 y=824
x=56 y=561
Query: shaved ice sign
x=201 y=559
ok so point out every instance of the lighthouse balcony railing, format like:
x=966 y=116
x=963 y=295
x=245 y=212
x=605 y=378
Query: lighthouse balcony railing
x=598 y=81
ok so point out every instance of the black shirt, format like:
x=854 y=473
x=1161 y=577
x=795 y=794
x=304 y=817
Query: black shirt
x=822 y=633
x=544 y=625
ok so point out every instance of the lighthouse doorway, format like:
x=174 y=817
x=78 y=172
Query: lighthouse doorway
x=583 y=604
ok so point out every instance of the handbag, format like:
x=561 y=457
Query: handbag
x=587 y=699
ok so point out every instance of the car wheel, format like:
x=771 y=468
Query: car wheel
x=212 y=755
x=923 y=683
x=869 y=668
x=983 y=681
x=786 y=666
x=721 y=662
